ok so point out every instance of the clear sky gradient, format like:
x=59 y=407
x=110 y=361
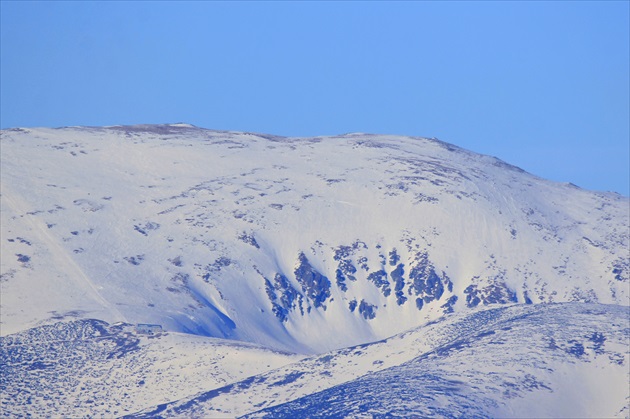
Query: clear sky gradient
x=542 y=85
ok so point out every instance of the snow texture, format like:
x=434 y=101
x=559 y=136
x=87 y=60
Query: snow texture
x=301 y=245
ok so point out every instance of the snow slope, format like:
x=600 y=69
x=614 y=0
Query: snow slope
x=82 y=368
x=299 y=244
x=544 y=360
x=548 y=360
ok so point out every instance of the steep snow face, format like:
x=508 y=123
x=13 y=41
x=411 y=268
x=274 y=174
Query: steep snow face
x=305 y=244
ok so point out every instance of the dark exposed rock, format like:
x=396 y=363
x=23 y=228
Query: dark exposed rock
x=341 y=280
x=135 y=260
x=598 y=339
x=379 y=278
x=419 y=303
x=352 y=305
x=23 y=258
x=316 y=287
x=399 y=282
x=249 y=239
x=284 y=297
x=345 y=268
x=345 y=271
x=494 y=293
x=448 y=306
x=367 y=310
x=393 y=257
x=621 y=269
x=425 y=282
x=144 y=229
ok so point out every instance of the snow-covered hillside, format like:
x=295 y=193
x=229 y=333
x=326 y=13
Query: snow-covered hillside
x=346 y=276
x=300 y=244
x=85 y=368
x=523 y=361
x=543 y=360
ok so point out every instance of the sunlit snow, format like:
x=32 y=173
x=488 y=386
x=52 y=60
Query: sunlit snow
x=303 y=246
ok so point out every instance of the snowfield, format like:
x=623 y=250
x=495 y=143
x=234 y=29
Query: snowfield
x=350 y=275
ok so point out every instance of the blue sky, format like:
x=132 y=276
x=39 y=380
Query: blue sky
x=542 y=85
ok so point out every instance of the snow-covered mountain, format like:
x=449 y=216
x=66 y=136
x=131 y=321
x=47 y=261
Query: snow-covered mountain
x=304 y=245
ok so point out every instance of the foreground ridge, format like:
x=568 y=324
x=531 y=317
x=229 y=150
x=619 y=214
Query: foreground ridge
x=510 y=361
